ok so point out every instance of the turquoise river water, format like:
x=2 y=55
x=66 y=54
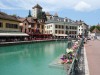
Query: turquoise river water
x=31 y=59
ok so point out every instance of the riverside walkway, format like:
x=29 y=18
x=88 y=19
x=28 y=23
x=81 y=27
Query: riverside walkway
x=92 y=48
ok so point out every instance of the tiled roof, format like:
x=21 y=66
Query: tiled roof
x=8 y=17
x=29 y=19
x=60 y=22
x=79 y=22
x=95 y=30
x=21 y=19
x=37 y=6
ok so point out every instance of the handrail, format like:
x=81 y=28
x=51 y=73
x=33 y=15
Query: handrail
x=73 y=62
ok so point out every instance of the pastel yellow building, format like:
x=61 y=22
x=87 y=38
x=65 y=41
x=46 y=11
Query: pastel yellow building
x=9 y=29
x=8 y=23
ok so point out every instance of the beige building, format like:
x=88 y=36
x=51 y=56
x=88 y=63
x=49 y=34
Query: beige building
x=8 y=23
x=61 y=29
x=82 y=28
x=9 y=28
x=31 y=25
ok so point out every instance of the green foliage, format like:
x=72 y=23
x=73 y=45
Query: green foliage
x=42 y=15
x=14 y=15
x=92 y=28
x=39 y=15
x=29 y=15
x=98 y=27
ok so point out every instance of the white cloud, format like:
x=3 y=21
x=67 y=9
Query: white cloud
x=2 y=6
x=82 y=6
x=52 y=5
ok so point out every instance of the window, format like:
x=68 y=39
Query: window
x=1 y=24
x=8 y=25
x=15 y=26
x=38 y=26
x=59 y=26
x=81 y=29
x=70 y=27
x=69 y=32
x=56 y=31
x=59 y=31
x=32 y=25
x=66 y=27
x=62 y=27
x=42 y=27
x=55 y=26
x=75 y=27
x=75 y=32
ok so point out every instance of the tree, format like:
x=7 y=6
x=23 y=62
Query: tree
x=98 y=27
x=29 y=15
x=92 y=28
x=44 y=16
x=39 y=15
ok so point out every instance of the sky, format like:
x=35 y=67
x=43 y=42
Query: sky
x=86 y=10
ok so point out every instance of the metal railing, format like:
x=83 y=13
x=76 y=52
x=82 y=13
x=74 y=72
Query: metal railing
x=74 y=67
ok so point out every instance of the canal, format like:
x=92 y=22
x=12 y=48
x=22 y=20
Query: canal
x=31 y=59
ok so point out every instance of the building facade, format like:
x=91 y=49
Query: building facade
x=36 y=11
x=82 y=28
x=61 y=29
x=95 y=34
x=8 y=23
x=31 y=25
x=9 y=28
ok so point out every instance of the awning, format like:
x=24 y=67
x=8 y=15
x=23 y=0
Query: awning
x=13 y=34
x=61 y=35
